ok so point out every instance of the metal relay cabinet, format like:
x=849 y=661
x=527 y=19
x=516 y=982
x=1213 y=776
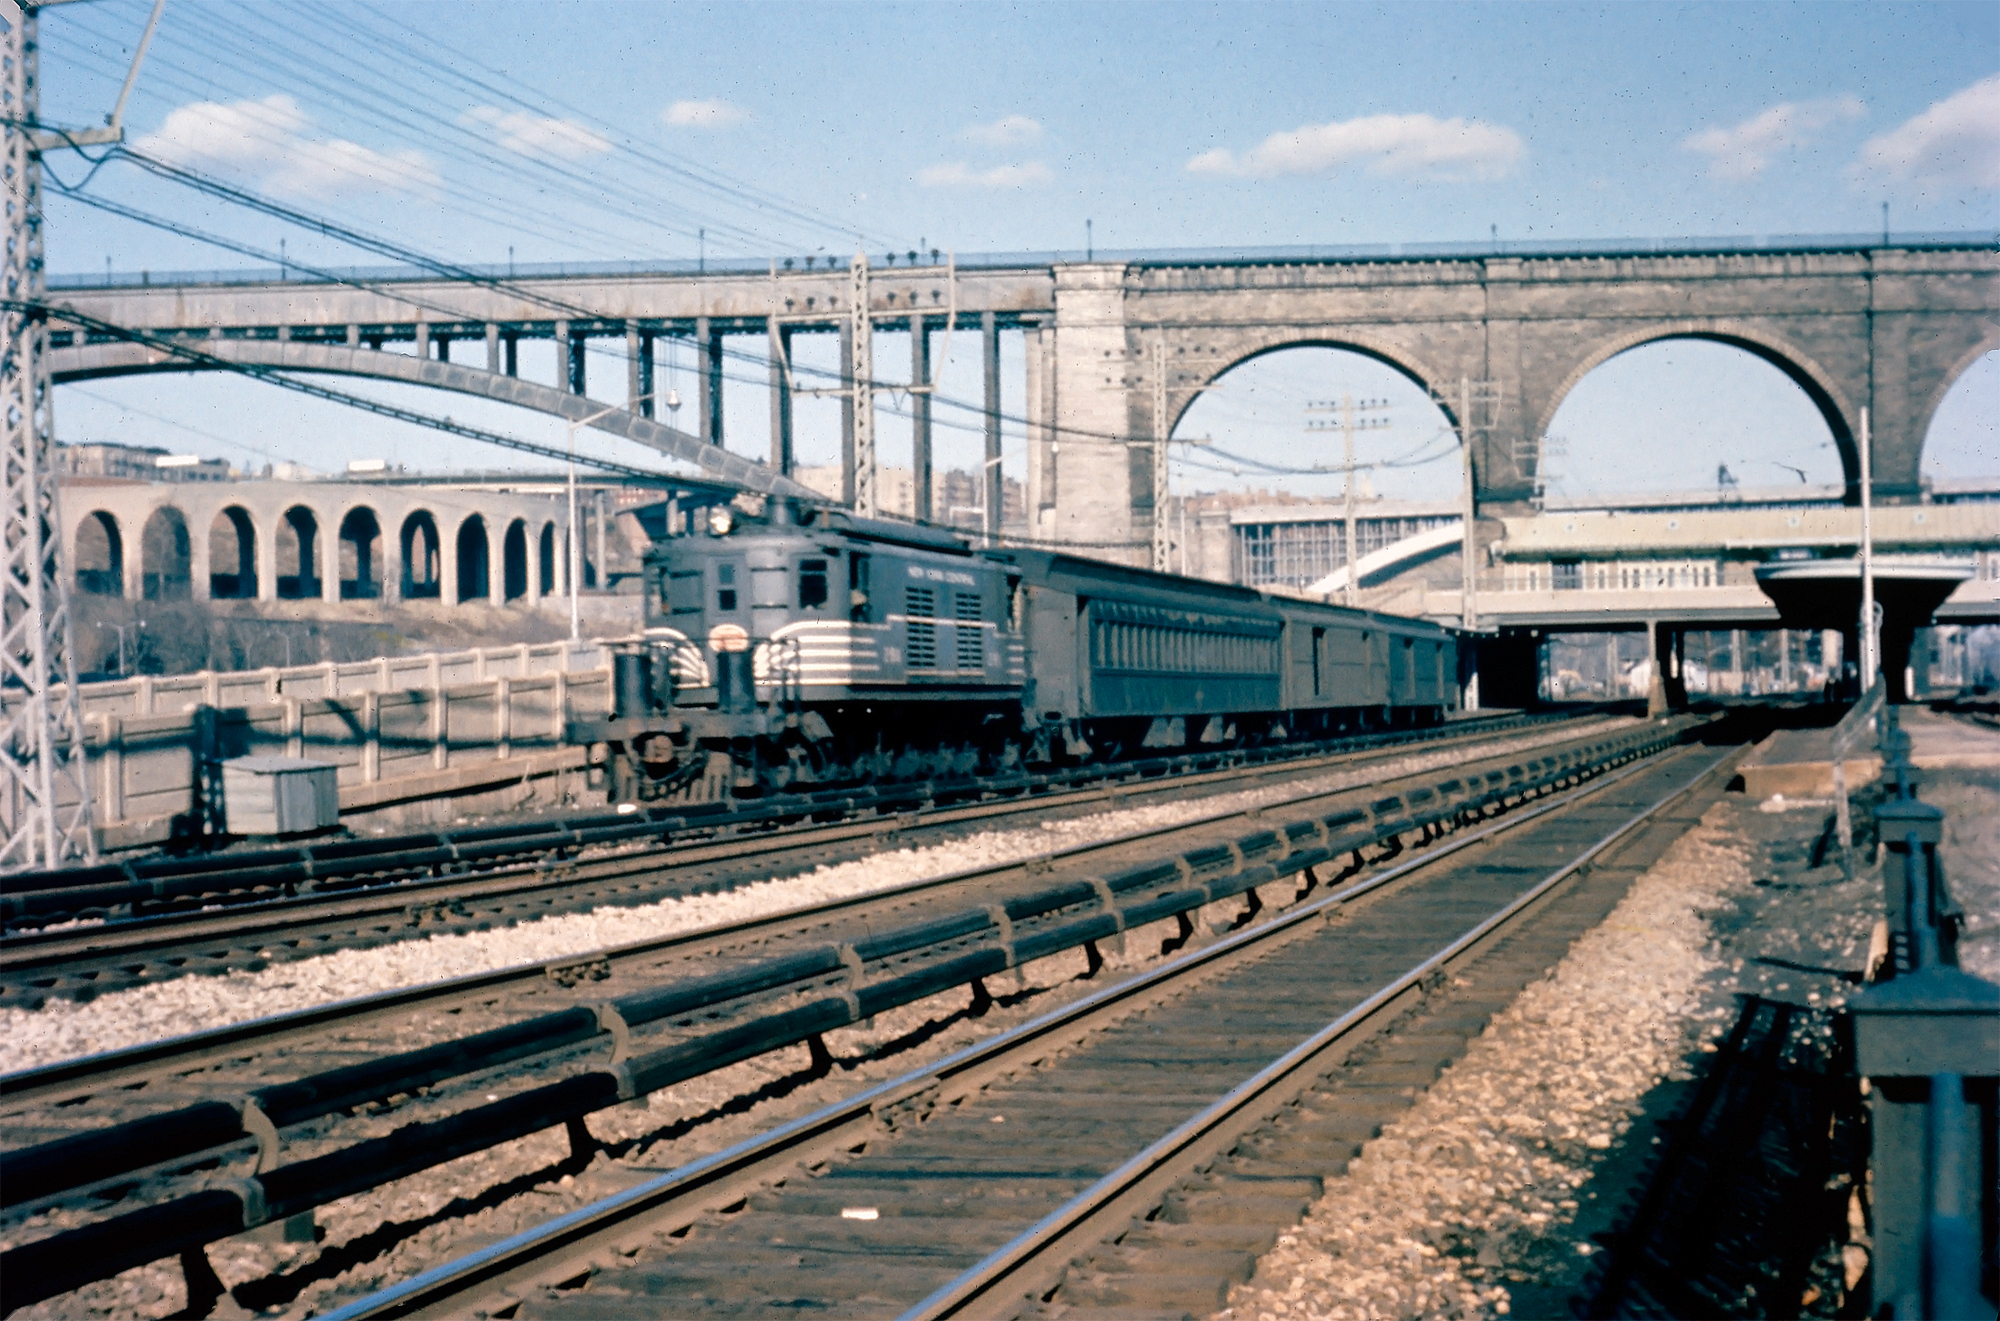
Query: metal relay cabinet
x=279 y=795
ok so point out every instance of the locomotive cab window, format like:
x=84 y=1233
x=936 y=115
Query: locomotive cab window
x=725 y=587
x=857 y=588
x=812 y=584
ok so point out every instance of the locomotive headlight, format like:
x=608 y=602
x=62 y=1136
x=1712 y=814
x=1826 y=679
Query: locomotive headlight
x=720 y=520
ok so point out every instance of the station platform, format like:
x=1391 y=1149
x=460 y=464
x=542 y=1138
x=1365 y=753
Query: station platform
x=1798 y=763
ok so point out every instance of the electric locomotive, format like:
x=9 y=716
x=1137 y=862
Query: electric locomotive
x=788 y=644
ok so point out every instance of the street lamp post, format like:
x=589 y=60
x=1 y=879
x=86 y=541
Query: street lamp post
x=120 y=629
x=575 y=540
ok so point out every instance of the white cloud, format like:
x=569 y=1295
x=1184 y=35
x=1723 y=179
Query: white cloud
x=704 y=114
x=1007 y=131
x=1956 y=141
x=958 y=174
x=268 y=141
x=1388 y=144
x=1744 y=150
x=534 y=135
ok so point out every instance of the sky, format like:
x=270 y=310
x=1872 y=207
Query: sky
x=599 y=131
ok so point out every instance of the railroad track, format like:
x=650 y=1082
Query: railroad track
x=1131 y=1153
x=346 y=898
x=774 y=1002
x=511 y=994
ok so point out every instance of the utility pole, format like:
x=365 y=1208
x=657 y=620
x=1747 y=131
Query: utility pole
x=1160 y=494
x=1871 y=655
x=1348 y=425
x=1475 y=405
x=862 y=382
x=45 y=818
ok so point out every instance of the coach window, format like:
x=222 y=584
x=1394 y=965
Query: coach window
x=812 y=584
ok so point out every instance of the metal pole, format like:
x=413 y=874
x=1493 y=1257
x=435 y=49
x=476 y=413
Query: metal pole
x=1347 y=450
x=44 y=794
x=575 y=543
x=991 y=480
x=1160 y=485
x=1871 y=656
x=861 y=380
x=1468 y=606
x=920 y=419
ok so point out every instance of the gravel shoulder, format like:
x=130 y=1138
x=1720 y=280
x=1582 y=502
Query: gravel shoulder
x=1485 y=1199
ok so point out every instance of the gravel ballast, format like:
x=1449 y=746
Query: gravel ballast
x=66 y=1029
x=1477 y=1186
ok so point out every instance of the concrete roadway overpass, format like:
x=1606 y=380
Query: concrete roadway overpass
x=1578 y=570
x=1855 y=322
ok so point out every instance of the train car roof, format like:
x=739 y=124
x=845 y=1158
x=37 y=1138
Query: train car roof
x=1096 y=577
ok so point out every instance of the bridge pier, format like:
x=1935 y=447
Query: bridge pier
x=920 y=419
x=708 y=381
x=781 y=397
x=493 y=347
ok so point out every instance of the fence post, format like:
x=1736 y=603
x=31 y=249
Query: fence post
x=371 y=728
x=503 y=716
x=440 y=726
x=114 y=768
x=1920 y=1035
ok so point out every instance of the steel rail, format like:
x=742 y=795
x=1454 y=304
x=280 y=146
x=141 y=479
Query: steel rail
x=74 y=1257
x=174 y=1054
x=919 y=805
x=65 y=1164
x=1038 y=1257
x=139 y=880
x=561 y=1248
x=263 y=929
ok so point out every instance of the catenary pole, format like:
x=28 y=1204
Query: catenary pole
x=45 y=816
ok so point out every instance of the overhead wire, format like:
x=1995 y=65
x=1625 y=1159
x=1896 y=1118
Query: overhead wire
x=276 y=376
x=680 y=167
x=386 y=103
x=222 y=190
x=261 y=133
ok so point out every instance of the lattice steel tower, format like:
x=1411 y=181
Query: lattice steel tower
x=44 y=796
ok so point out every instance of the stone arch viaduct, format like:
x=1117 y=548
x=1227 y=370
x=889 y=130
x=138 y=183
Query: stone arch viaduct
x=328 y=541
x=1855 y=323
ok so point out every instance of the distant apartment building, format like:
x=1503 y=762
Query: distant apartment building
x=137 y=463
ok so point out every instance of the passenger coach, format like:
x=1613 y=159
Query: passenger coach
x=807 y=644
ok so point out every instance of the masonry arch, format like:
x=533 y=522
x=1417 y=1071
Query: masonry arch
x=547 y=557
x=99 y=555
x=1962 y=420
x=232 y=555
x=360 y=555
x=1258 y=475
x=514 y=561
x=1186 y=385
x=473 y=556
x=165 y=557
x=423 y=567
x=1693 y=415
x=1794 y=363
x=298 y=555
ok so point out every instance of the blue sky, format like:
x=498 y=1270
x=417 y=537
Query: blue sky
x=598 y=131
